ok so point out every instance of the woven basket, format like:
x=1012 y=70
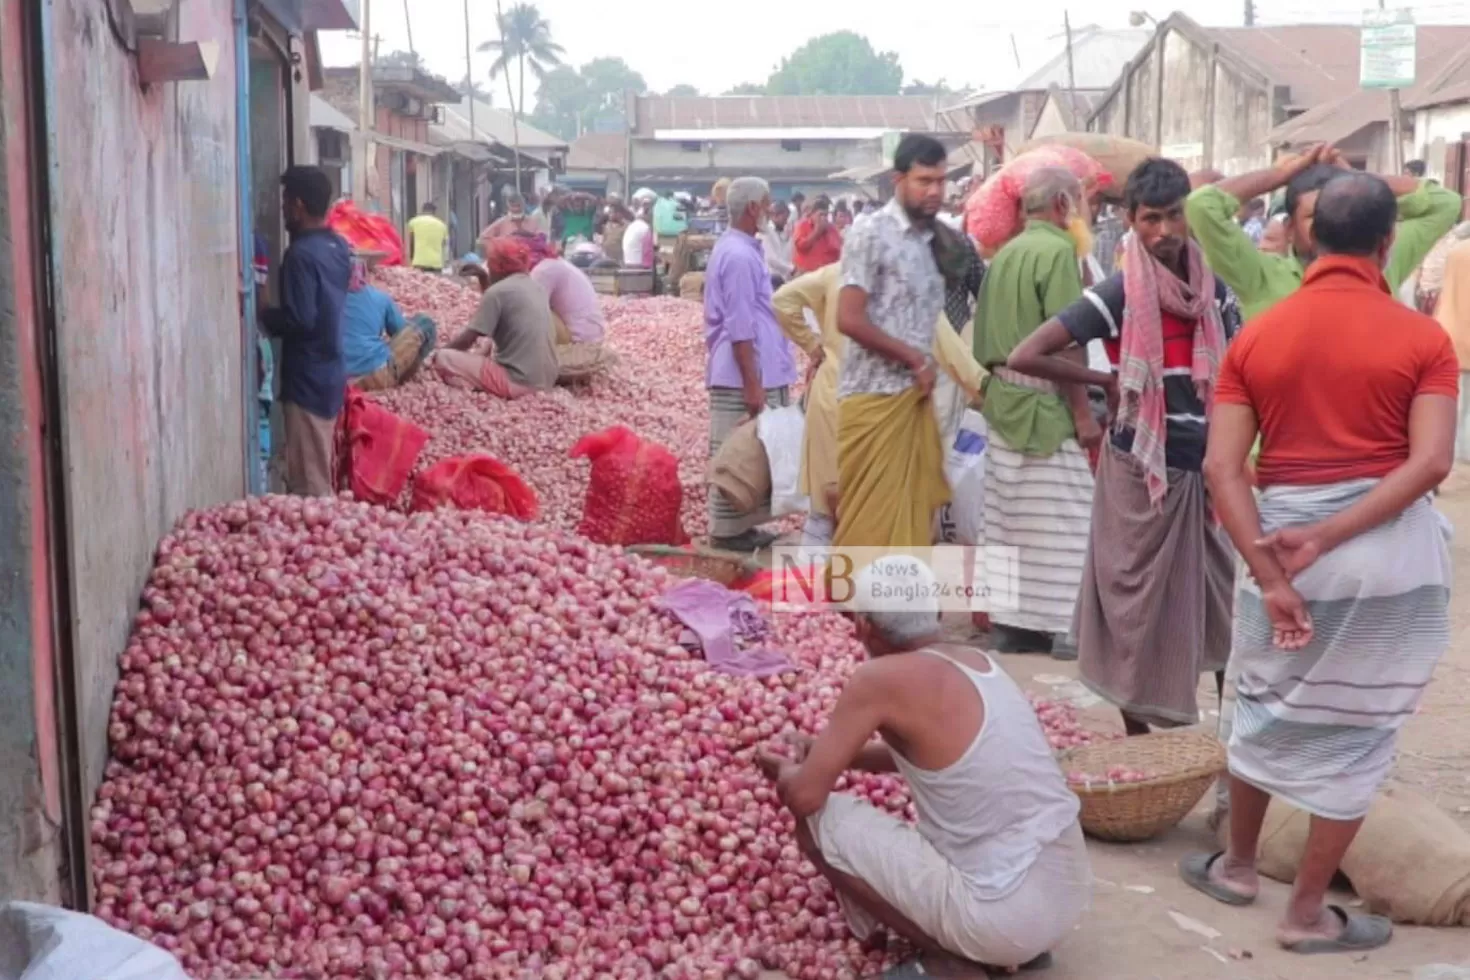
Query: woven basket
x=723 y=567
x=1184 y=762
x=579 y=362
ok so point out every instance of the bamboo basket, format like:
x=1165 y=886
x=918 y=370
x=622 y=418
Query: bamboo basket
x=1184 y=764
x=723 y=567
x=581 y=362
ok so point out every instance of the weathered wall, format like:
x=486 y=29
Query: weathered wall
x=30 y=794
x=1186 y=82
x=149 y=341
x=1435 y=128
x=1242 y=123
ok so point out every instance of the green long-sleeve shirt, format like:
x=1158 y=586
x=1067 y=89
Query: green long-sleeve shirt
x=1032 y=279
x=1263 y=279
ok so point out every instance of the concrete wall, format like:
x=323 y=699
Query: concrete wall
x=757 y=157
x=1436 y=128
x=30 y=784
x=1199 y=112
x=149 y=334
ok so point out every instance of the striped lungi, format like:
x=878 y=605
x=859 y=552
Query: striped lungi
x=726 y=412
x=1037 y=513
x=1317 y=728
x=1154 y=611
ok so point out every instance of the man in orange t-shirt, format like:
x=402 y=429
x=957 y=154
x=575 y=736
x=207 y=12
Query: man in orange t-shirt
x=817 y=242
x=1346 y=612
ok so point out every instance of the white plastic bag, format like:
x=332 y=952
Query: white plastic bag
x=40 y=942
x=781 y=430
x=963 y=518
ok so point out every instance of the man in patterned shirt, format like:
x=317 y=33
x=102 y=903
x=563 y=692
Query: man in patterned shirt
x=890 y=461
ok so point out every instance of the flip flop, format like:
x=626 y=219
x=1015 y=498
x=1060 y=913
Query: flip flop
x=1195 y=870
x=907 y=970
x=1359 y=933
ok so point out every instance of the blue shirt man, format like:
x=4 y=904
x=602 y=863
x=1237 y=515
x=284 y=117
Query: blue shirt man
x=369 y=315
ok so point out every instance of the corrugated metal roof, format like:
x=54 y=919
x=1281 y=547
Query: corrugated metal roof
x=881 y=112
x=494 y=124
x=324 y=115
x=1441 y=52
x=1097 y=58
x=755 y=133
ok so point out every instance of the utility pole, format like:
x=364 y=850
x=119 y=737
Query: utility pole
x=408 y=25
x=1395 y=125
x=469 y=71
x=364 y=106
x=1250 y=13
x=1071 y=73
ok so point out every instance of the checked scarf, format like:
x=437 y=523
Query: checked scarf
x=1149 y=291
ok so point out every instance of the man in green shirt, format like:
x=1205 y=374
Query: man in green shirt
x=668 y=217
x=1261 y=279
x=1038 y=482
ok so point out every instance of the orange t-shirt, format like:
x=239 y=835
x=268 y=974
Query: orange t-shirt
x=1331 y=373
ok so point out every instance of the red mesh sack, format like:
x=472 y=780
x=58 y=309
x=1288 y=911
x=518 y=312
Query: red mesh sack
x=993 y=211
x=366 y=232
x=474 y=483
x=376 y=450
x=634 y=496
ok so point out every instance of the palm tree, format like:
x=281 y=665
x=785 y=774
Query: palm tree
x=525 y=37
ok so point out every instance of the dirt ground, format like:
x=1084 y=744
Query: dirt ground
x=1129 y=933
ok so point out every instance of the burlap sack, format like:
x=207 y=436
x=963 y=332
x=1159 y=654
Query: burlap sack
x=561 y=334
x=741 y=471
x=1117 y=154
x=691 y=286
x=1410 y=861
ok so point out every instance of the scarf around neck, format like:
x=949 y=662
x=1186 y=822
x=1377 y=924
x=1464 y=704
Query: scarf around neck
x=1149 y=292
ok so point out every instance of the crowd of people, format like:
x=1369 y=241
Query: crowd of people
x=1157 y=417
x=1150 y=429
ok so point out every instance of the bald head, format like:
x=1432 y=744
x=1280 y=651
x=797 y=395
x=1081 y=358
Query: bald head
x=1051 y=194
x=1355 y=215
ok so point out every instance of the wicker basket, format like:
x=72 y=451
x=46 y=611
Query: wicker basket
x=1185 y=763
x=580 y=362
x=723 y=567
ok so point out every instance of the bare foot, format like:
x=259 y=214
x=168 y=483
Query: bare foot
x=1236 y=876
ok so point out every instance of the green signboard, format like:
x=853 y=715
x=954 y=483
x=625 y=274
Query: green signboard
x=1388 y=50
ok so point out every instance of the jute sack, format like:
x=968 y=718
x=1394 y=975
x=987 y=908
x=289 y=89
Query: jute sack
x=1410 y=861
x=691 y=286
x=741 y=471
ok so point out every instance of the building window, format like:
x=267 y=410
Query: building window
x=691 y=146
x=791 y=146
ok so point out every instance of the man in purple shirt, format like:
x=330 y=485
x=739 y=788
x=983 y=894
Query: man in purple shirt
x=750 y=361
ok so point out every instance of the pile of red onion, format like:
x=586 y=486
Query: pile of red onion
x=349 y=742
x=657 y=390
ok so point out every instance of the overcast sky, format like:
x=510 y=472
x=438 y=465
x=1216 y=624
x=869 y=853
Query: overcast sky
x=715 y=46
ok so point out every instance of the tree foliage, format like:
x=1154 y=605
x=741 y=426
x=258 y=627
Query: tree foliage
x=524 y=42
x=682 y=92
x=748 y=88
x=402 y=59
x=919 y=87
x=570 y=101
x=842 y=63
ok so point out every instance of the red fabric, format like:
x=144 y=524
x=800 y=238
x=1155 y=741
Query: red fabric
x=1331 y=372
x=993 y=211
x=634 y=496
x=376 y=450
x=812 y=250
x=474 y=483
x=366 y=232
x=507 y=257
x=1178 y=344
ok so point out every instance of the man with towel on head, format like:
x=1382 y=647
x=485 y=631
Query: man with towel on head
x=1038 y=481
x=1154 y=611
x=890 y=462
x=1345 y=613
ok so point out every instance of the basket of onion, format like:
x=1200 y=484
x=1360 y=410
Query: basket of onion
x=724 y=567
x=1136 y=788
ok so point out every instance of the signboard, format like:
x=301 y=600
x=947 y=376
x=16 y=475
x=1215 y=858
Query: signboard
x=1388 y=51
x=1182 y=151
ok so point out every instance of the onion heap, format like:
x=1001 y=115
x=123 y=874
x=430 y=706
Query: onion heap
x=349 y=742
x=657 y=390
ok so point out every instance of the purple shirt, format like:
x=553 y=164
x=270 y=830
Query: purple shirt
x=737 y=307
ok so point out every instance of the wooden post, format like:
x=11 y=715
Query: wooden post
x=1071 y=73
x=1395 y=126
x=365 y=121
